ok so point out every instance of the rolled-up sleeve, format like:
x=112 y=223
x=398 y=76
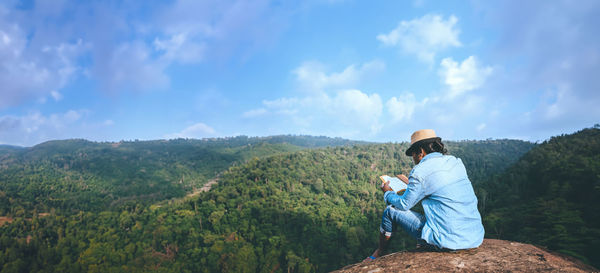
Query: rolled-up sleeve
x=413 y=194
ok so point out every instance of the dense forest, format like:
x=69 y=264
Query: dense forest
x=550 y=197
x=78 y=206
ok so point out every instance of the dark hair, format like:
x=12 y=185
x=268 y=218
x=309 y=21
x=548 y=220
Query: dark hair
x=431 y=145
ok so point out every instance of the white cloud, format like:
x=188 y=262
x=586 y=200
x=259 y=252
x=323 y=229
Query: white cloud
x=221 y=29
x=291 y=106
x=354 y=107
x=5 y=39
x=282 y=103
x=30 y=72
x=43 y=48
x=130 y=66
x=254 y=113
x=424 y=36
x=345 y=112
x=331 y=106
x=198 y=130
x=56 y=95
x=550 y=61
x=313 y=77
x=180 y=48
x=353 y=113
x=35 y=127
x=402 y=108
x=69 y=117
x=481 y=126
x=348 y=113
x=418 y=3
x=463 y=77
x=561 y=105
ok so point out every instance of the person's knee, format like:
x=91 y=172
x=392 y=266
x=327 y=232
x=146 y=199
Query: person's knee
x=391 y=212
x=388 y=211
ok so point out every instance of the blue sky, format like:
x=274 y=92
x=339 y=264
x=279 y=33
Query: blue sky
x=364 y=70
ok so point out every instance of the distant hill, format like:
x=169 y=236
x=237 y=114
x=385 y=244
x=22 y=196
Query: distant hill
x=73 y=175
x=9 y=149
x=550 y=197
x=486 y=158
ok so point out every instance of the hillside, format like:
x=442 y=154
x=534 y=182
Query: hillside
x=310 y=210
x=73 y=175
x=9 y=149
x=550 y=197
x=486 y=158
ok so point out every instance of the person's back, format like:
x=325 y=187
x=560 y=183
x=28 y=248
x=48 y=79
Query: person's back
x=453 y=220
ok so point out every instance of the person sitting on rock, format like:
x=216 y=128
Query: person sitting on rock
x=451 y=220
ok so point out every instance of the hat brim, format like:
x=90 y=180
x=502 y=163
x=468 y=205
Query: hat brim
x=414 y=146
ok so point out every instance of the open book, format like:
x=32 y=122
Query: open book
x=395 y=183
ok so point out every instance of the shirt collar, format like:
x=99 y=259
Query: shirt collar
x=431 y=155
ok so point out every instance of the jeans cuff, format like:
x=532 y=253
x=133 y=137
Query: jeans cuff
x=386 y=233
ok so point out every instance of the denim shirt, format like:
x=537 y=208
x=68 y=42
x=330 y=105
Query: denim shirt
x=449 y=202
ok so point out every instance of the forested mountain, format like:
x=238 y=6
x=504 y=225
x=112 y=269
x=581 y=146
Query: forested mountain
x=4 y=149
x=73 y=175
x=486 y=158
x=303 y=211
x=550 y=197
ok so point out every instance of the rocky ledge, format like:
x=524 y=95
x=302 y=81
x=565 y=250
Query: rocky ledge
x=491 y=256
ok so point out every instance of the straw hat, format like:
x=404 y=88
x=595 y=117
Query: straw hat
x=421 y=136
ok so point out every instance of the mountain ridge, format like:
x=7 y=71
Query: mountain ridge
x=83 y=174
x=309 y=140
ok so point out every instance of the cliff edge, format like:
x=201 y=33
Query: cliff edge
x=492 y=256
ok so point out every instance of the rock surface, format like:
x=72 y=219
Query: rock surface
x=491 y=256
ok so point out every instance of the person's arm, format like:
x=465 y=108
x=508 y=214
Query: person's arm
x=413 y=194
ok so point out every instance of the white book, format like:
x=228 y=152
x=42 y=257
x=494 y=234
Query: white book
x=395 y=183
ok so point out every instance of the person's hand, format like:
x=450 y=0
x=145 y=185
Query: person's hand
x=403 y=178
x=386 y=186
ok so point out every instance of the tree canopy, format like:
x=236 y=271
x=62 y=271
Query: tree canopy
x=276 y=207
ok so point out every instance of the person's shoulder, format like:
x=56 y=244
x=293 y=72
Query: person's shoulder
x=451 y=158
x=449 y=155
x=435 y=159
x=434 y=163
x=424 y=167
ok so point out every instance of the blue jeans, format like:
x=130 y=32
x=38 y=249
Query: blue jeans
x=412 y=222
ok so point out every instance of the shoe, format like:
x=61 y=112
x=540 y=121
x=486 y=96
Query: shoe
x=370 y=258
